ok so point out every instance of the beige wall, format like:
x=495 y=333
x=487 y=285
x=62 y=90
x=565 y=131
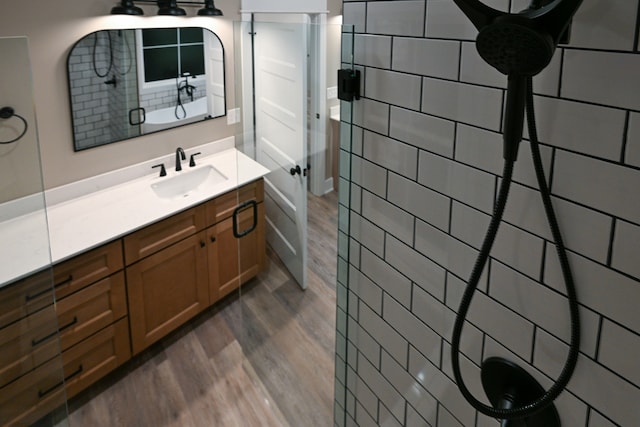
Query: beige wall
x=19 y=161
x=52 y=28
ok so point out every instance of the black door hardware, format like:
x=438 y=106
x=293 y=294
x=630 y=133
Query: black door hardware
x=348 y=85
x=249 y=204
x=141 y=116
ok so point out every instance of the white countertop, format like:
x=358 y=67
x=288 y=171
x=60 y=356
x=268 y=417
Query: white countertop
x=87 y=214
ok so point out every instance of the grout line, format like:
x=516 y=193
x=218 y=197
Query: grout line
x=598 y=338
x=625 y=137
x=637 y=33
x=533 y=344
x=612 y=237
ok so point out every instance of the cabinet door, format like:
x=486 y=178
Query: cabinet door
x=232 y=260
x=166 y=289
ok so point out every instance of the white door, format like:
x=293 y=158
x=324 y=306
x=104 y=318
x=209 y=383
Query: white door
x=281 y=137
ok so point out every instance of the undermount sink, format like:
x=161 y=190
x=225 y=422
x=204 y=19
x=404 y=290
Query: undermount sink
x=188 y=182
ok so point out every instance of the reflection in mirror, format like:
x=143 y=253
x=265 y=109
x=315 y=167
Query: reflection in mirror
x=127 y=83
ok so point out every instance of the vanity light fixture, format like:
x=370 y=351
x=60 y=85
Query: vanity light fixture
x=166 y=7
x=170 y=8
x=209 y=9
x=126 y=7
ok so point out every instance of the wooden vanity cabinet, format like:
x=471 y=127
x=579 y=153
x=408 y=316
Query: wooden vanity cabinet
x=119 y=298
x=179 y=266
x=90 y=301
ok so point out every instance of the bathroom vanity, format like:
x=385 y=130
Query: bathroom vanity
x=130 y=266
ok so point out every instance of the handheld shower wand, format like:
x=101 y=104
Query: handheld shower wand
x=518 y=45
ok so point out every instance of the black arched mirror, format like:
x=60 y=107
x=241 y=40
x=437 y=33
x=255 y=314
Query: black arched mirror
x=131 y=82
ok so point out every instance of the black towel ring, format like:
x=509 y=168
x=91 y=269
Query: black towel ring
x=7 y=113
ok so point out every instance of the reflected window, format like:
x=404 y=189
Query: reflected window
x=172 y=52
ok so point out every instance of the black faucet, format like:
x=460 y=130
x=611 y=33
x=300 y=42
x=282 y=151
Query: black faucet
x=179 y=155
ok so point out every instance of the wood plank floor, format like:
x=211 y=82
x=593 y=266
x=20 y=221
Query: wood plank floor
x=264 y=357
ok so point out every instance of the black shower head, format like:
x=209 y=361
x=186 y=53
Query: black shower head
x=519 y=43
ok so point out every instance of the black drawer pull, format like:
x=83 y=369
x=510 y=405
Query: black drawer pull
x=44 y=291
x=42 y=393
x=65 y=281
x=52 y=334
x=213 y=239
x=36 y=295
x=241 y=207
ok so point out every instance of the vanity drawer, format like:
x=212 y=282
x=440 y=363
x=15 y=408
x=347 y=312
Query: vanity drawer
x=26 y=296
x=91 y=309
x=32 y=396
x=223 y=206
x=162 y=234
x=73 y=275
x=93 y=358
x=27 y=344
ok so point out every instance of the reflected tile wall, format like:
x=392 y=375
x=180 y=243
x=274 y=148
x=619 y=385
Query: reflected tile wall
x=427 y=162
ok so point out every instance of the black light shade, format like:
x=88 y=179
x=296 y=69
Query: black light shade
x=171 y=8
x=126 y=7
x=209 y=9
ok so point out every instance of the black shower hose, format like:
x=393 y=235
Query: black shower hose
x=572 y=357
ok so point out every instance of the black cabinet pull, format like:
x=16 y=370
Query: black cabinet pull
x=47 y=289
x=42 y=393
x=202 y=244
x=38 y=294
x=213 y=239
x=52 y=334
x=65 y=281
x=241 y=207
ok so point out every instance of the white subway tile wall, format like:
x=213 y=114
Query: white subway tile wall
x=425 y=156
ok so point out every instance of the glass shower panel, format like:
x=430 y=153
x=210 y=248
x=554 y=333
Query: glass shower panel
x=284 y=319
x=31 y=368
x=345 y=208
